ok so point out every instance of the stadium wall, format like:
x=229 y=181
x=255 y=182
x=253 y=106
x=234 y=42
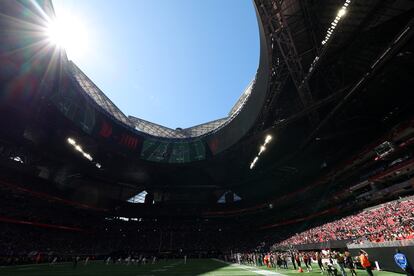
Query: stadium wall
x=384 y=252
x=322 y=245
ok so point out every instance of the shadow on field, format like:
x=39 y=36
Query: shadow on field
x=200 y=267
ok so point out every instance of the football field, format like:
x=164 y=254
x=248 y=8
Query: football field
x=202 y=267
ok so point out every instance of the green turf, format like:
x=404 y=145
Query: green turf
x=317 y=272
x=172 y=267
x=201 y=267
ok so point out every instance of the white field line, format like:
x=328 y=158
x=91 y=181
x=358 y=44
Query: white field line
x=252 y=269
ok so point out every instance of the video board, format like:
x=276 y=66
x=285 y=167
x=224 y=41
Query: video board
x=158 y=150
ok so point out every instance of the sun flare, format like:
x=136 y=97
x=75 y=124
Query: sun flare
x=68 y=32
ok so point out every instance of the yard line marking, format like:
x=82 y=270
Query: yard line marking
x=263 y=272
x=251 y=269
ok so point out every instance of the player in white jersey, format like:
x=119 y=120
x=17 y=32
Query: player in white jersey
x=108 y=260
x=54 y=260
x=86 y=261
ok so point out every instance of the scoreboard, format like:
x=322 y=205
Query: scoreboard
x=173 y=151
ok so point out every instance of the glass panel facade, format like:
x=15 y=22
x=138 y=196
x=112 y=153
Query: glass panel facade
x=151 y=128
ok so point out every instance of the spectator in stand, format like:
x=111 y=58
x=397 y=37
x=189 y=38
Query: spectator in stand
x=387 y=222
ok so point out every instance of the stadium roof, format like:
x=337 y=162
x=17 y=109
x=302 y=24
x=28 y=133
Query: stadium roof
x=151 y=128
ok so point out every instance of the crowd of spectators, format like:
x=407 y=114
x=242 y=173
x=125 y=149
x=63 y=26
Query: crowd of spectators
x=388 y=222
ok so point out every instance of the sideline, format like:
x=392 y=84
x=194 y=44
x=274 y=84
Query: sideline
x=251 y=268
x=34 y=265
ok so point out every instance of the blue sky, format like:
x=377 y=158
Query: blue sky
x=177 y=63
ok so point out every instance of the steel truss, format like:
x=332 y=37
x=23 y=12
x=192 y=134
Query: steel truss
x=282 y=36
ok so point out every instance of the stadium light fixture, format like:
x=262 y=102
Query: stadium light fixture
x=79 y=148
x=17 y=159
x=71 y=141
x=254 y=162
x=262 y=149
x=342 y=11
x=87 y=156
x=340 y=14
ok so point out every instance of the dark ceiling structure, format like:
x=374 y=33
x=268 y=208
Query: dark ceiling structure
x=333 y=91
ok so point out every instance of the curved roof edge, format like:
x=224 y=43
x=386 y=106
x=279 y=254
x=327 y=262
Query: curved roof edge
x=218 y=134
x=151 y=128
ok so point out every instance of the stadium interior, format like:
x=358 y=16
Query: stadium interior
x=316 y=154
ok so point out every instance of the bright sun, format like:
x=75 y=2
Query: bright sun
x=69 y=33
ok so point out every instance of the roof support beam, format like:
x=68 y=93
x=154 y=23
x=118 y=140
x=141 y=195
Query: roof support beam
x=282 y=36
x=322 y=51
x=279 y=77
x=394 y=46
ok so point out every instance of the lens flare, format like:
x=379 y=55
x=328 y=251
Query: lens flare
x=68 y=33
